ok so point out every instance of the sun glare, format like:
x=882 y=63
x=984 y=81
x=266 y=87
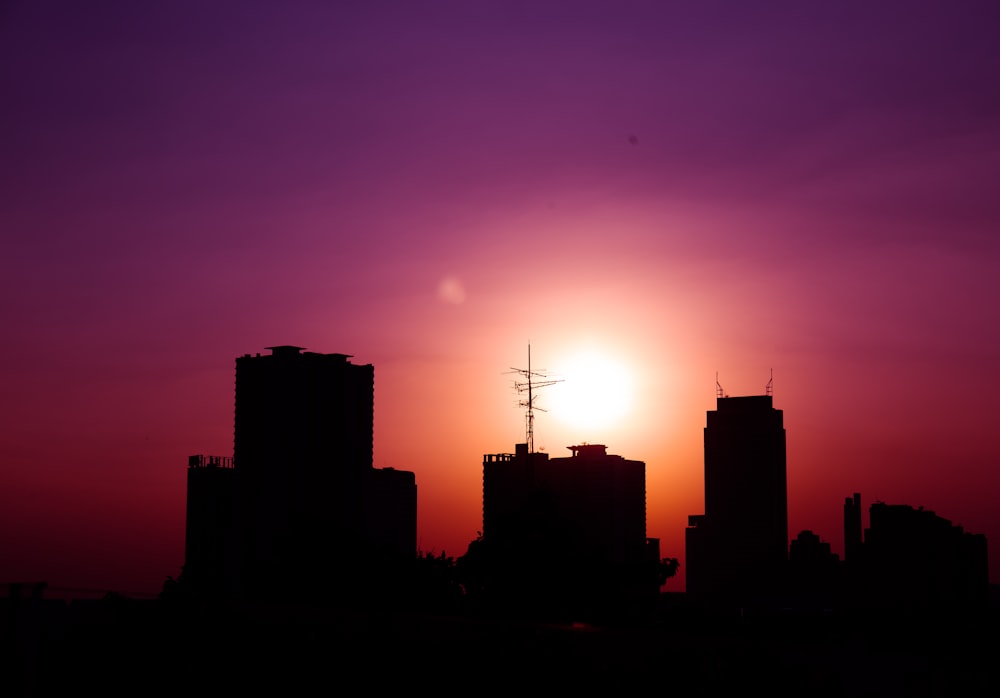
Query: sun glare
x=595 y=392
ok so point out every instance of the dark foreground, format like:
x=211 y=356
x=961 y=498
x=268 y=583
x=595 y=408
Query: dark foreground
x=141 y=648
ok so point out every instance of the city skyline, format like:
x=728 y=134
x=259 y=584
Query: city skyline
x=733 y=446
x=679 y=191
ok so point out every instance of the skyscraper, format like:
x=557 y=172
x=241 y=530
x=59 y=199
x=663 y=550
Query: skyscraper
x=736 y=551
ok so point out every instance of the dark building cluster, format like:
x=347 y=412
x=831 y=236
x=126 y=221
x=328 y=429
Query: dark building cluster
x=561 y=537
x=738 y=557
x=301 y=564
x=912 y=559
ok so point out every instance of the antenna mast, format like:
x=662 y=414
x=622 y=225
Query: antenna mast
x=528 y=385
x=769 y=388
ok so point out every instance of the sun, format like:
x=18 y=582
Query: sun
x=595 y=391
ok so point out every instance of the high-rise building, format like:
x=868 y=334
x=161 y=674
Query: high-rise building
x=736 y=551
x=303 y=492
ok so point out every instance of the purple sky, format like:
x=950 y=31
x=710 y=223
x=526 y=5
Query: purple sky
x=690 y=187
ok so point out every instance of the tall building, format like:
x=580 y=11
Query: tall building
x=568 y=533
x=302 y=448
x=304 y=494
x=736 y=551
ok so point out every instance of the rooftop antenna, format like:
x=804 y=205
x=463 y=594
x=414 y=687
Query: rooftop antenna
x=718 y=387
x=528 y=385
x=769 y=388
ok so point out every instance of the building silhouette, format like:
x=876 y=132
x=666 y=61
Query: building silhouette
x=208 y=522
x=911 y=559
x=852 y=528
x=737 y=550
x=302 y=494
x=568 y=535
x=814 y=574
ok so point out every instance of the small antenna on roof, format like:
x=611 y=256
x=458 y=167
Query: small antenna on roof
x=718 y=387
x=769 y=388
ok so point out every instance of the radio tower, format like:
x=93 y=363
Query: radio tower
x=528 y=385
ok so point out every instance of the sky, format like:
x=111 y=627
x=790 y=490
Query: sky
x=665 y=192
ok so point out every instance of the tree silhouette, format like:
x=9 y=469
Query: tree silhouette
x=667 y=568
